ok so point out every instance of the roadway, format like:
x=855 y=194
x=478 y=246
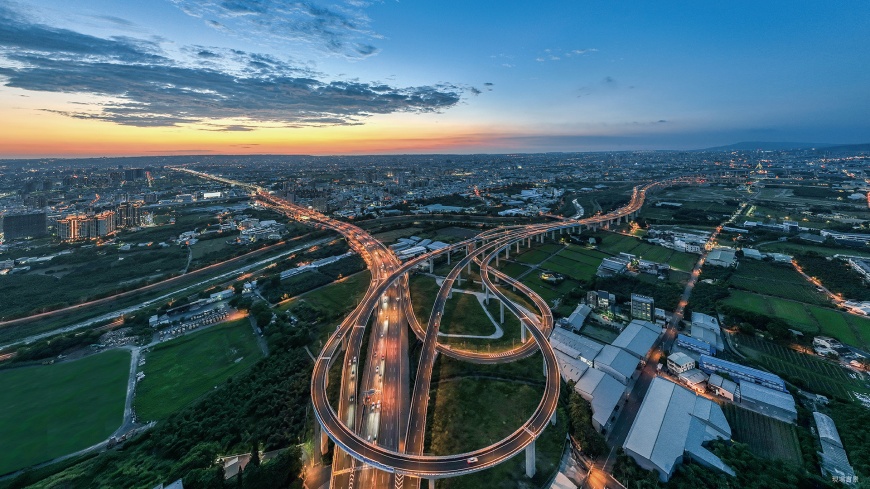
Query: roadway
x=389 y=281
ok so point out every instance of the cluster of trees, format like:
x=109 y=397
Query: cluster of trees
x=751 y=472
x=666 y=294
x=750 y=322
x=837 y=276
x=852 y=421
x=266 y=406
x=53 y=347
x=580 y=425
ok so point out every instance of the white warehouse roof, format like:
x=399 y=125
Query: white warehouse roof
x=672 y=421
x=637 y=338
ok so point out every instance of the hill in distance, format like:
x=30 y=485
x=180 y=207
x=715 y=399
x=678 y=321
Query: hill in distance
x=769 y=146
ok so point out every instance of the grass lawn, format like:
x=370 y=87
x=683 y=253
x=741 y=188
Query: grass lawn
x=469 y=413
x=179 y=371
x=862 y=326
x=49 y=411
x=683 y=261
x=514 y=269
x=834 y=324
x=533 y=257
x=423 y=293
x=203 y=248
x=792 y=312
x=464 y=315
x=390 y=236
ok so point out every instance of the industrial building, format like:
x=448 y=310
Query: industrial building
x=833 y=457
x=722 y=387
x=695 y=345
x=711 y=365
x=767 y=401
x=642 y=307
x=574 y=345
x=604 y=393
x=706 y=328
x=674 y=423
x=578 y=317
x=638 y=338
x=616 y=362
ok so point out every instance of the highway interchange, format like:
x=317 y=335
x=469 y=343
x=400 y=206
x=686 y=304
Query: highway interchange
x=378 y=431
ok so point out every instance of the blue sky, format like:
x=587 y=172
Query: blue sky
x=447 y=75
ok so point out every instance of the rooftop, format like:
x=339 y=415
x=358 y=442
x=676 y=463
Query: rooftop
x=672 y=421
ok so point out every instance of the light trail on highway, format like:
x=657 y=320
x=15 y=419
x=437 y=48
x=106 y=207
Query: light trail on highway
x=349 y=429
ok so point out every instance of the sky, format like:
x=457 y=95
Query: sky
x=158 y=77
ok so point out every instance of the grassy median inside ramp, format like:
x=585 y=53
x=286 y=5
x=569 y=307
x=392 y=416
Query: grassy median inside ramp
x=179 y=371
x=49 y=411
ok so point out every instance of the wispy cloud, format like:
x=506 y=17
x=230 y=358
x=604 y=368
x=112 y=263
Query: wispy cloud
x=335 y=27
x=556 y=55
x=145 y=87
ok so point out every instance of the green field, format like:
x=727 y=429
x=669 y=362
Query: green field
x=800 y=249
x=802 y=369
x=337 y=295
x=179 y=371
x=514 y=269
x=775 y=279
x=532 y=257
x=468 y=413
x=794 y=313
x=848 y=328
x=766 y=437
x=49 y=411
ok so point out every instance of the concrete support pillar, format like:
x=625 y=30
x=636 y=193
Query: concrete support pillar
x=496 y=260
x=553 y=419
x=522 y=332
x=544 y=361
x=530 y=460
x=448 y=258
x=431 y=483
x=507 y=252
x=324 y=440
x=518 y=247
x=486 y=296
x=502 y=311
x=431 y=265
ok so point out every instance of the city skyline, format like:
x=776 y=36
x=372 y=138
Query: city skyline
x=202 y=77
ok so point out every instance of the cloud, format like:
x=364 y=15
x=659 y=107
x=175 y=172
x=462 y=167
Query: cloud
x=334 y=27
x=552 y=55
x=143 y=87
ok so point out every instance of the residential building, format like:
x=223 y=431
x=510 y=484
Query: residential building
x=23 y=225
x=642 y=307
x=680 y=362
